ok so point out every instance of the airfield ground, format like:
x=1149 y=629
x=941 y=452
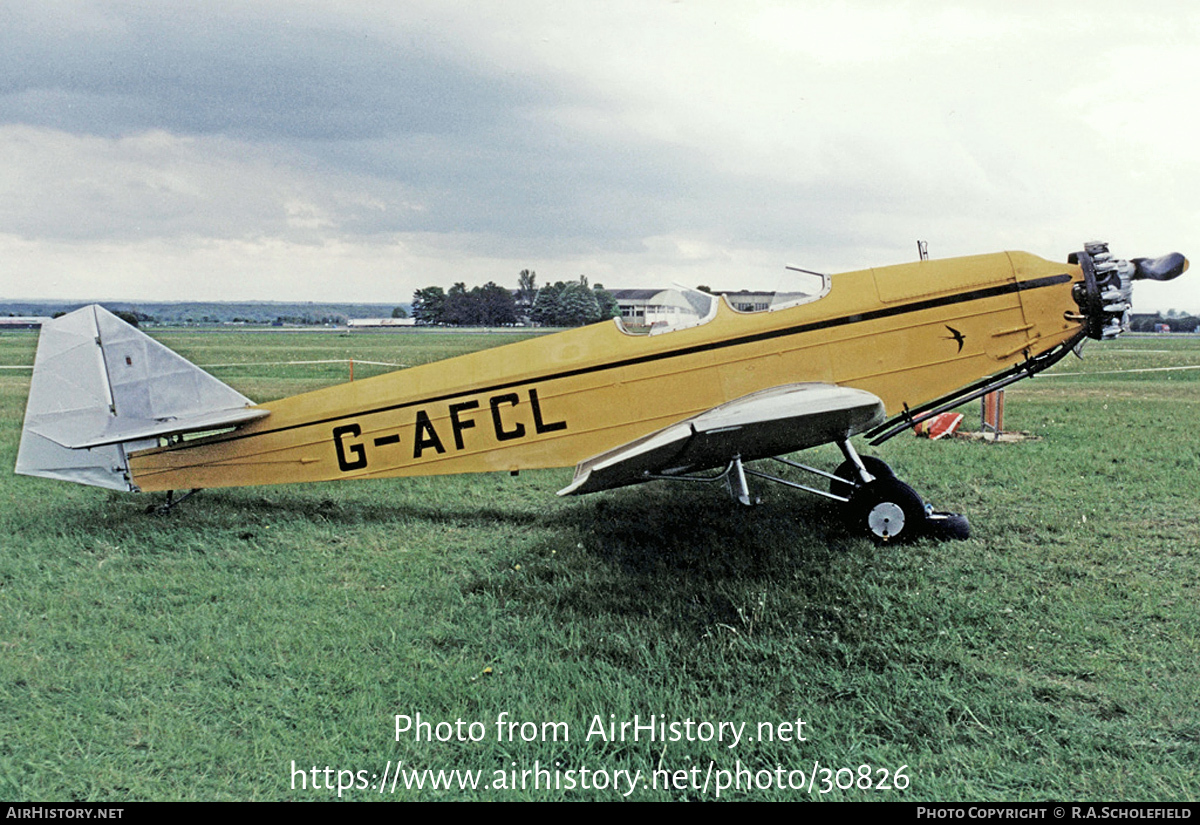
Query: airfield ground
x=228 y=649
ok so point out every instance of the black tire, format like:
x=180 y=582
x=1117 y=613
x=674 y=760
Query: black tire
x=887 y=511
x=947 y=526
x=846 y=470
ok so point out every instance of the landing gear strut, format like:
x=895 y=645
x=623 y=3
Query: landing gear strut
x=874 y=502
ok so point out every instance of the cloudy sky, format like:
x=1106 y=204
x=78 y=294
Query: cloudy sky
x=355 y=150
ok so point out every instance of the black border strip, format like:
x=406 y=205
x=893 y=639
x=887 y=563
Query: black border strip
x=845 y=320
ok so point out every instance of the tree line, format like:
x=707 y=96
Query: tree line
x=561 y=304
x=1174 y=320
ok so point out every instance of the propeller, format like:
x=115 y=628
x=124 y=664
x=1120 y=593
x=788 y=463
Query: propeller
x=1105 y=296
x=1166 y=268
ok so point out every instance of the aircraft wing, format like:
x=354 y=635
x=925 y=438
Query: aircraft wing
x=767 y=423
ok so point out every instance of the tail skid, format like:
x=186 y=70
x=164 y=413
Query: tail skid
x=102 y=389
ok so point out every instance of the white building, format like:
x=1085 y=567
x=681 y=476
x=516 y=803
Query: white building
x=362 y=323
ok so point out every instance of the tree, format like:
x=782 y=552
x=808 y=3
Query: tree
x=573 y=304
x=545 y=305
x=527 y=287
x=429 y=305
x=576 y=305
x=609 y=308
x=399 y=312
x=495 y=305
x=459 y=309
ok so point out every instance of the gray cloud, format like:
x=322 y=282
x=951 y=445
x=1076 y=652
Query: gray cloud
x=643 y=138
x=231 y=70
x=406 y=123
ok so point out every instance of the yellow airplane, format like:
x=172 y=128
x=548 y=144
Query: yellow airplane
x=109 y=406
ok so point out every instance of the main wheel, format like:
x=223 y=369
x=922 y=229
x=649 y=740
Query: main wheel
x=887 y=511
x=846 y=470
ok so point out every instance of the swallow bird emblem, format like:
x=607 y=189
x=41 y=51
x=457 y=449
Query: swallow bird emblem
x=955 y=336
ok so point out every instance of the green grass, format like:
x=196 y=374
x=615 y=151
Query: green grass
x=197 y=655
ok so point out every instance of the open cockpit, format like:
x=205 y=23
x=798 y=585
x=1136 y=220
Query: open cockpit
x=659 y=311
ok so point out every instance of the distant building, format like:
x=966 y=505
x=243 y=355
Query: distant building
x=23 y=321
x=745 y=300
x=648 y=307
x=654 y=307
x=363 y=323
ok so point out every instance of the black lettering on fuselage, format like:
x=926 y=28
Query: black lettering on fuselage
x=506 y=426
x=538 y=423
x=426 y=436
x=345 y=451
x=502 y=434
x=457 y=424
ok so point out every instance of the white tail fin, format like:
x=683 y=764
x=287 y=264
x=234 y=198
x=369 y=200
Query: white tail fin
x=101 y=387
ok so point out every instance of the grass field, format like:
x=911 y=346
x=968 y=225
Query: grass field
x=226 y=650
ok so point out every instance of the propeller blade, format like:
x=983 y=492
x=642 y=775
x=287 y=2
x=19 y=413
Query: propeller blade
x=1165 y=268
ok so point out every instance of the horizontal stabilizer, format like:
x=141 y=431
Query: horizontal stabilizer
x=100 y=386
x=767 y=423
x=119 y=430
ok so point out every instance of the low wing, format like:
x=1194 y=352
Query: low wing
x=767 y=423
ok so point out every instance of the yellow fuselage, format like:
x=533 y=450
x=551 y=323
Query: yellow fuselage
x=908 y=334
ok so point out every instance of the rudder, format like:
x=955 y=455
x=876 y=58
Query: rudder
x=102 y=388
